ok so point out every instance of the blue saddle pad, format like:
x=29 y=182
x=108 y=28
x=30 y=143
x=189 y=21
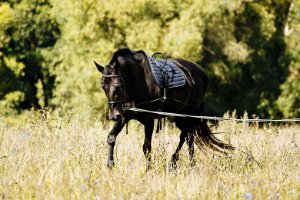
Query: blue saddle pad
x=176 y=77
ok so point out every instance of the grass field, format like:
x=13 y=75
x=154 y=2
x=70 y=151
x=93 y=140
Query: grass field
x=64 y=157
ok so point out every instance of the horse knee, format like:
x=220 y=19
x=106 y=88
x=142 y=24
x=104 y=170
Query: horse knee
x=111 y=139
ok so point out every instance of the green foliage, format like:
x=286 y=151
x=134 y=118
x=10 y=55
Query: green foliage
x=27 y=31
x=11 y=101
x=248 y=60
x=250 y=49
x=289 y=100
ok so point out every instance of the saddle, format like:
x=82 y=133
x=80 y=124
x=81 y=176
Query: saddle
x=166 y=73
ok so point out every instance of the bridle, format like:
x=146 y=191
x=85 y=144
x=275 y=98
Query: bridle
x=111 y=103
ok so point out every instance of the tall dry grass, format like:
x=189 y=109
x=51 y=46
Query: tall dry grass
x=60 y=156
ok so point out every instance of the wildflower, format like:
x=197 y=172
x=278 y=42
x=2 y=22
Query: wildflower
x=24 y=136
x=248 y=195
x=97 y=197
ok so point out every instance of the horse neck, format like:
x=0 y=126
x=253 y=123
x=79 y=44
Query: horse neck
x=143 y=86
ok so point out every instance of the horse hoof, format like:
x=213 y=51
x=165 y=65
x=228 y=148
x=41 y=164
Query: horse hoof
x=192 y=163
x=173 y=167
x=110 y=164
x=148 y=168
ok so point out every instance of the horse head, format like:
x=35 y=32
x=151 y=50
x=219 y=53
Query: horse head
x=114 y=88
x=114 y=85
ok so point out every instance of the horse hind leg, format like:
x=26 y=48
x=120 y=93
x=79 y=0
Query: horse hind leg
x=175 y=155
x=187 y=135
x=149 y=126
x=190 y=141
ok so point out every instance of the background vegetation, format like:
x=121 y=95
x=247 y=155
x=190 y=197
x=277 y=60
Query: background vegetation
x=250 y=49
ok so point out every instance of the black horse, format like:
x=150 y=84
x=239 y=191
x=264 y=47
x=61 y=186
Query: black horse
x=128 y=82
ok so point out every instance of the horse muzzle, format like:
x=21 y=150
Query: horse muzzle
x=115 y=115
x=116 y=109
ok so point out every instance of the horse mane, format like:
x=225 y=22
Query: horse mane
x=121 y=52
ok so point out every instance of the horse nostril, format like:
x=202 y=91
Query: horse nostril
x=112 y=117
x=115 y=117
x=118 y=116
x=114 y=114
x=117 y=113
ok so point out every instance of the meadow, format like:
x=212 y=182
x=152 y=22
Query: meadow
x=53 y=155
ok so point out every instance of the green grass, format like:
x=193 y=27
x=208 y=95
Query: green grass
x=63 y=156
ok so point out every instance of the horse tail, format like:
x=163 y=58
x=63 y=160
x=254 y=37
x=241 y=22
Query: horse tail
x=204 y=138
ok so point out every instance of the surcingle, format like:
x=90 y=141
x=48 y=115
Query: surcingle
x=175 y=78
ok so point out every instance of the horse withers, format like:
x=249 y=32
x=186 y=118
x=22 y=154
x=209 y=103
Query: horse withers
x=128 y=82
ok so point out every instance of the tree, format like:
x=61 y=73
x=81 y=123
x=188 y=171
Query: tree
x=248 y=57
x=289 y=99
x=28 y=31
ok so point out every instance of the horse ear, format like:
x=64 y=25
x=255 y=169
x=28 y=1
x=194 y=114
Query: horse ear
x=99 y=67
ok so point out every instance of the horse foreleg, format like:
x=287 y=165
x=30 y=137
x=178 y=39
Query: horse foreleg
x=111 y=141
x=147 y=142
x=175 y=156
